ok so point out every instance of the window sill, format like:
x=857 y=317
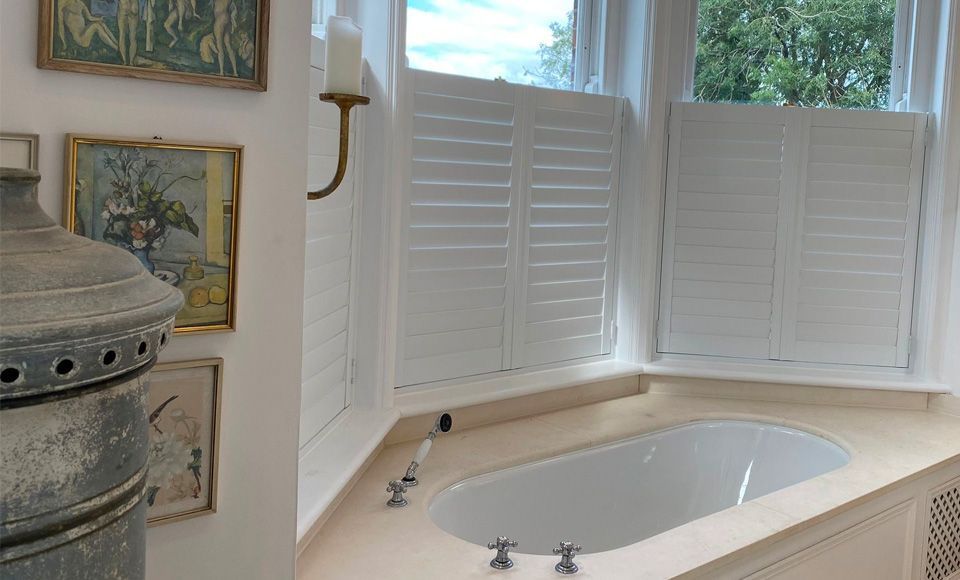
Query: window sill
x=791 y=374
x=329 y=463
x=412 y=401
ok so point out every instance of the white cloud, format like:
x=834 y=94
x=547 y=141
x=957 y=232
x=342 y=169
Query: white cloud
x=485 y=39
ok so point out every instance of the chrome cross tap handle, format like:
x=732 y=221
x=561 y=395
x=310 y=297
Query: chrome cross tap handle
x=566 y=551
x=398 y=488
x=502 y=546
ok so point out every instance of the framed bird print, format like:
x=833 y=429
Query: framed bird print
x=184 y=416
x=210 y=42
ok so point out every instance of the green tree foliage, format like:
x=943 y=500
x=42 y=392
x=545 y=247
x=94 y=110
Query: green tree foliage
x=812 y=53
x=556 y=59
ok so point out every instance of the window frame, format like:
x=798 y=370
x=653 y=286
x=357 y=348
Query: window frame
x=904 y=25
x=322 y=9
x=594 y=35
x=660 y=73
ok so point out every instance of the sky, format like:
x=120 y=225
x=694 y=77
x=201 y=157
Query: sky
x=481 y=38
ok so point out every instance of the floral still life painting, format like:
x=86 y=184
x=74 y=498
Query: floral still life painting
x=213 y=42
x=183 y=407
x=173 y=206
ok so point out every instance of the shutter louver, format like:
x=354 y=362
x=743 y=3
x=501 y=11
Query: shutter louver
x=326 y=307
x=573 y=151
x=851 y=295
x=720 y=231
x=463 y=180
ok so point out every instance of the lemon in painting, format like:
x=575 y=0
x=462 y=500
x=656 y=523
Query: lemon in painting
x=218 y=295
x=199 y=297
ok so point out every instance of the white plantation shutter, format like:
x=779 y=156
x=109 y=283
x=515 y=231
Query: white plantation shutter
x=573 y=155
x=725 y=165
x=457 y=289
x=494 y=168
x=850 y=294
x=326 y=308
x=791 y=234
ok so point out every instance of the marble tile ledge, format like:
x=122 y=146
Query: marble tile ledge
x=365 y=539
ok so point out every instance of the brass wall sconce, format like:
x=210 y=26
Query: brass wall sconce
x=345 y=102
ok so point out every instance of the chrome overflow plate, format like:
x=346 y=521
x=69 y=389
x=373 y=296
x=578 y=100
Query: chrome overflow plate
x=503 y=545
x=566 y=551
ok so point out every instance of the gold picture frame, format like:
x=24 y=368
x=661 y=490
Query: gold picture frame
x=173 y=205
x=19 y=150
x=184 y=452
x=221 y=43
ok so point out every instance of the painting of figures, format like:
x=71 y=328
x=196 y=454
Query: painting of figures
x=173 y=206
x=213 y=42
x=184 y=416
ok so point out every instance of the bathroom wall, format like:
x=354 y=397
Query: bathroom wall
x=951 y=358
x=253 y=533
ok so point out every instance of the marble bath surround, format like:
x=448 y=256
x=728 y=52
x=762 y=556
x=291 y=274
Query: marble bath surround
x=889 y=447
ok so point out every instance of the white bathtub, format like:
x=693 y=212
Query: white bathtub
x=621 y=493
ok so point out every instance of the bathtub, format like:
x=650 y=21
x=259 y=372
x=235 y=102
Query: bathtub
x=621 y=493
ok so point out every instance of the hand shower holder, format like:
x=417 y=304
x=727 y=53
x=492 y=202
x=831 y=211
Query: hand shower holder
x=443 y=424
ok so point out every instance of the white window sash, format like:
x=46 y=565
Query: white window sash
x=905 y=29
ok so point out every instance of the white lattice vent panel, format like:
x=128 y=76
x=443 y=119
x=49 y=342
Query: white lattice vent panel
x=943 y=537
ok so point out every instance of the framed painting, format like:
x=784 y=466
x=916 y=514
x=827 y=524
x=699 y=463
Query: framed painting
x=175 y=206
x=209 y=42
x=184 y=414
x=19 y=150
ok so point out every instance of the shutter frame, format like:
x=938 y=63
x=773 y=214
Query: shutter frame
x=731 y=153
x=814 y=313
x=464 y=112
x=556 y=192
x=440 y=176
x=845 y=254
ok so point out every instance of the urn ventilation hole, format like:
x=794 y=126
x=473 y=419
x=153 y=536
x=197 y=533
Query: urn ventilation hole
x=109 y=358
x=64 y=367
x=142 y=348
x=9 y=375
x=163 y=339
x=943 y=537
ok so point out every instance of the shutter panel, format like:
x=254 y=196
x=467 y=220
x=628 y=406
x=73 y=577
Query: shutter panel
x=457 y=292
x=572 y=150
x=850 y=294
x=327 y=288
x=719 y=269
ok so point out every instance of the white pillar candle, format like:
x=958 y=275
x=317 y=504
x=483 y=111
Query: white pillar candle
x=342 y=69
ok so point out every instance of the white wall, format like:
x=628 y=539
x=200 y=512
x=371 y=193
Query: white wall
x=253 y=534
x=951 y=357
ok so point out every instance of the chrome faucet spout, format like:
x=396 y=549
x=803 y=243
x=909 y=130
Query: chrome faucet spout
x=443 y=424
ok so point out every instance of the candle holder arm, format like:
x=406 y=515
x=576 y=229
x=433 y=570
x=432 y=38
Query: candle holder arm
x=345 y=102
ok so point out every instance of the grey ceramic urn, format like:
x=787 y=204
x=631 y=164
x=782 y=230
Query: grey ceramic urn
x=81 y=323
